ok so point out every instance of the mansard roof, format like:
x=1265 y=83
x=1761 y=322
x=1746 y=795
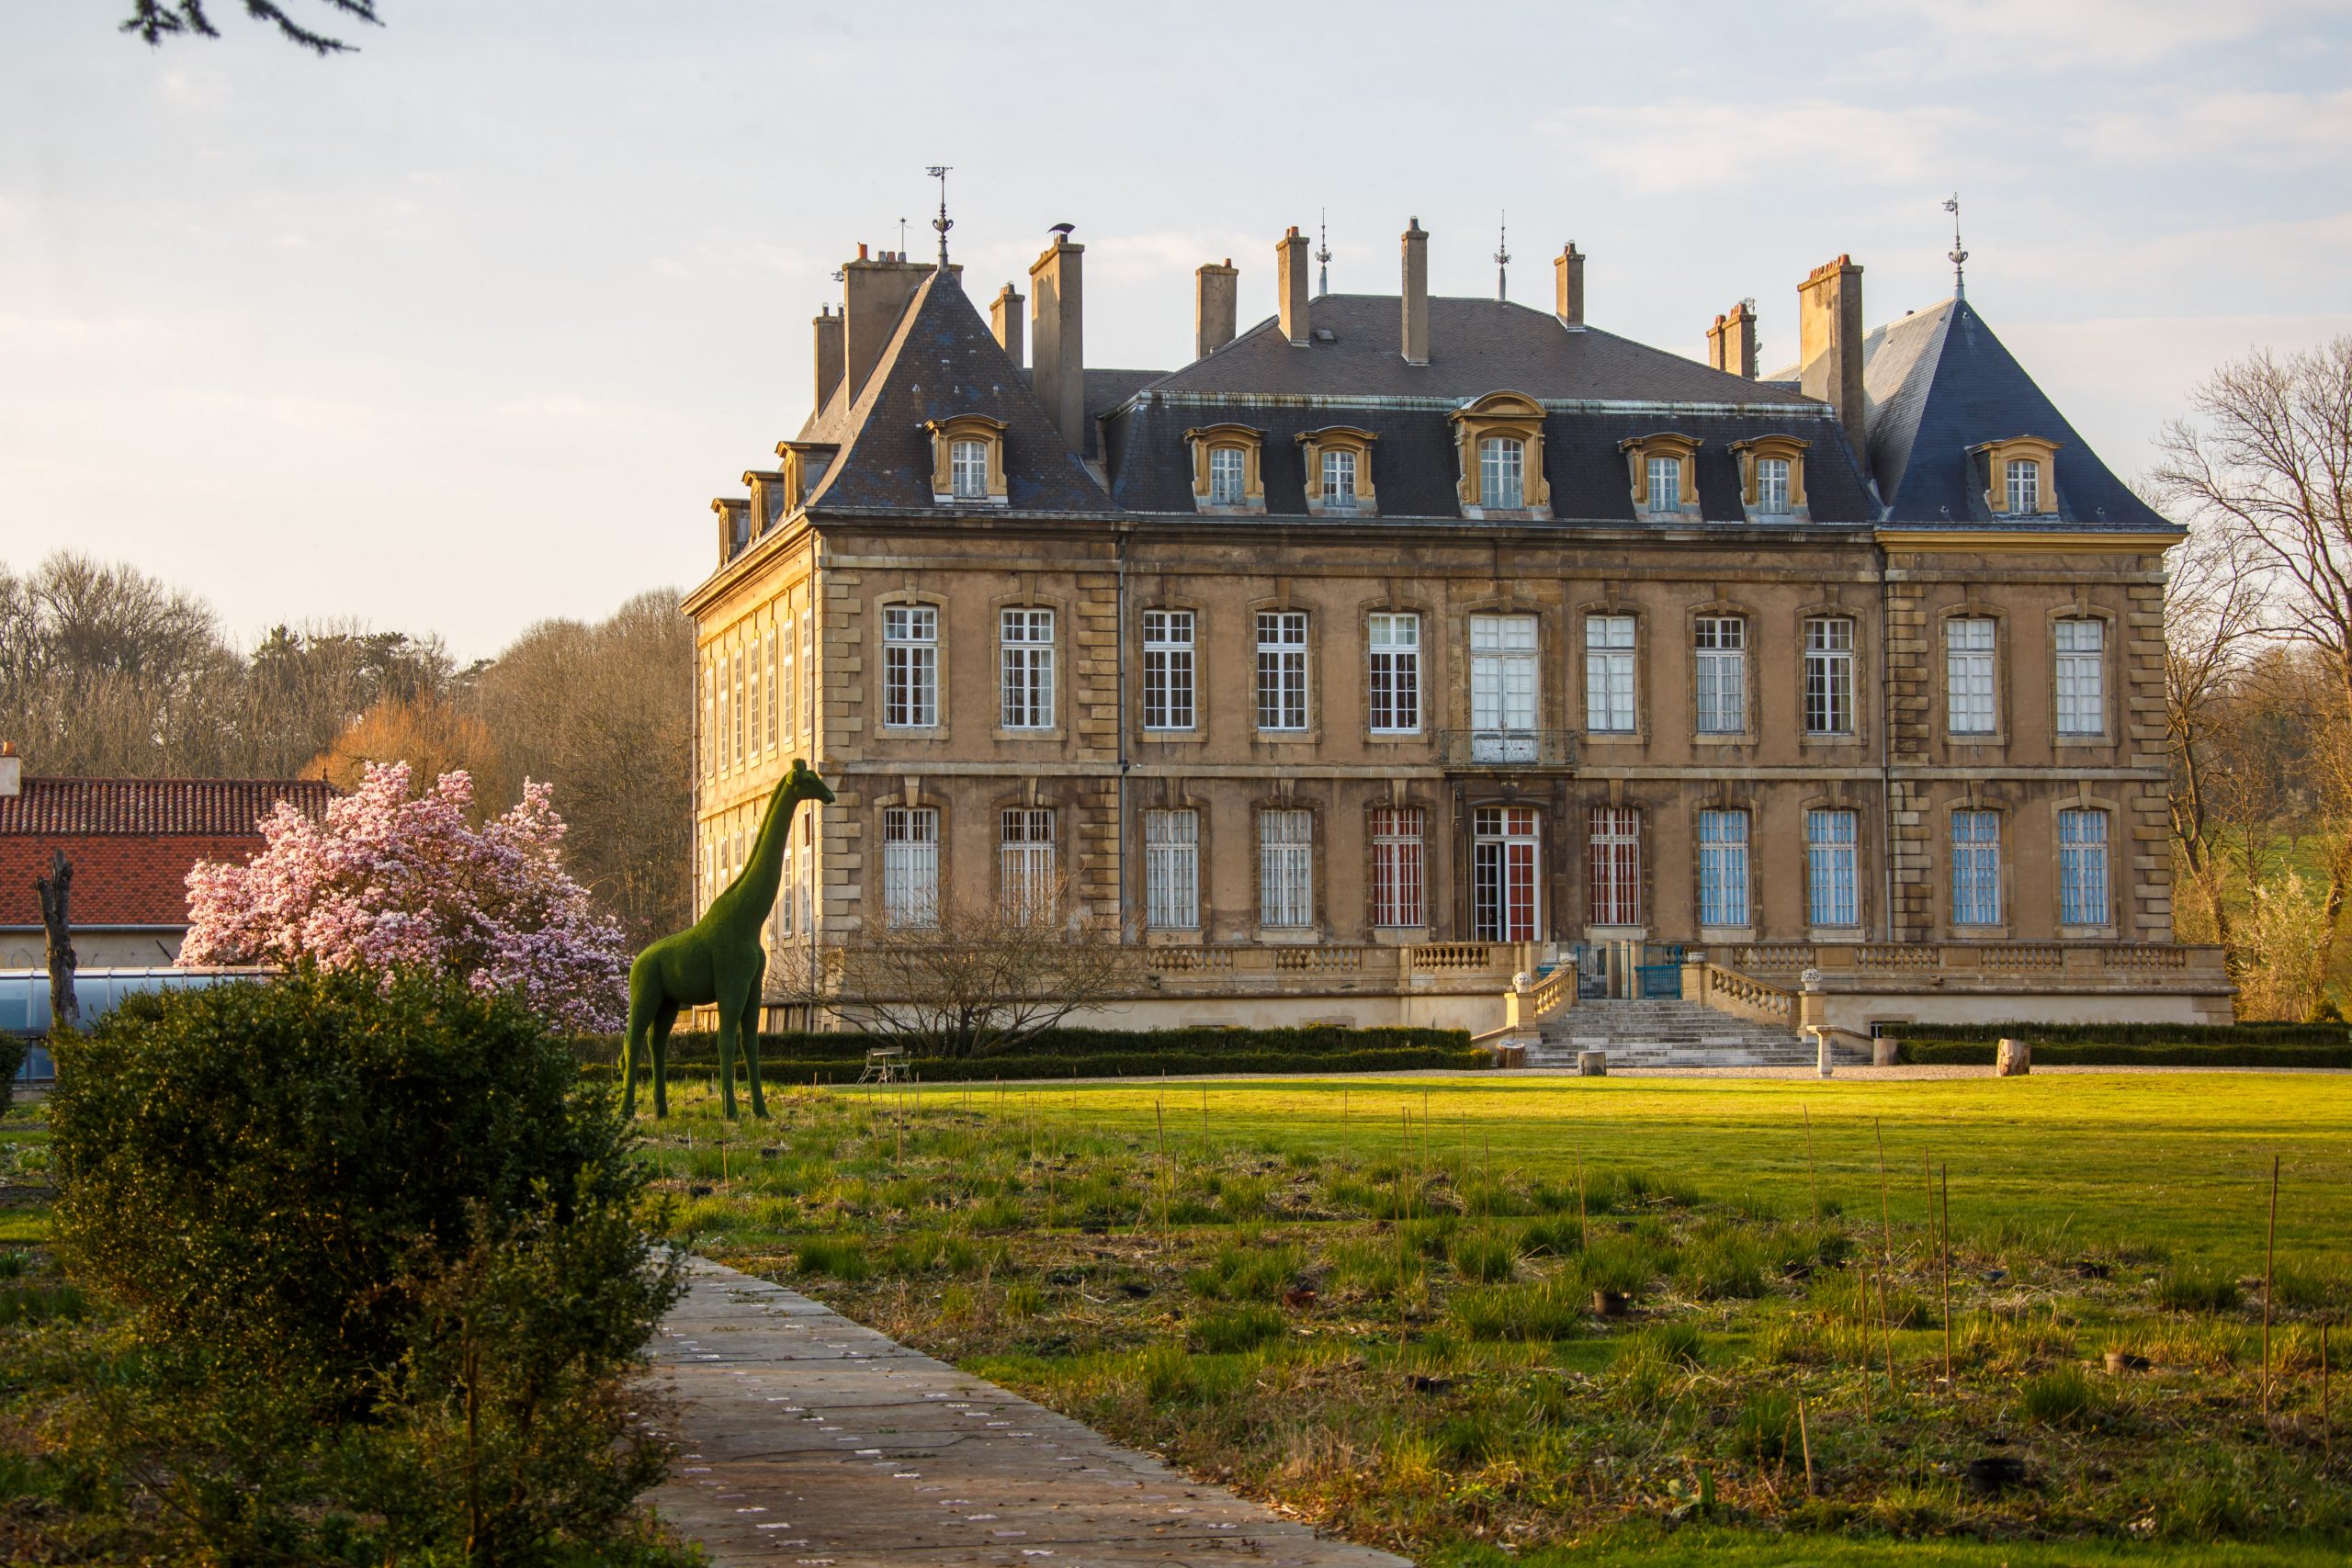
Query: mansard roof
x=943 y=362
x=1475 y=346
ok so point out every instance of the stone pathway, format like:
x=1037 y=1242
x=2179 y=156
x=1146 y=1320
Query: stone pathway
x=810 y=1441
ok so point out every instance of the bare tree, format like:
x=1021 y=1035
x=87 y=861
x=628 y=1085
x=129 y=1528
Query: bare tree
x=2213 y=602
x=155 y=20
x=56 y=894
x=975 y=980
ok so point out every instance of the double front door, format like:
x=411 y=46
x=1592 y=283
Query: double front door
x=1506 y=876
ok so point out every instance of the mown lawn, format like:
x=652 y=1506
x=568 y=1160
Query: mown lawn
x=1372 y=1301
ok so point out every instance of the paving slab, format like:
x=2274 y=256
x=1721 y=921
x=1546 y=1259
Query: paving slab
x=811 y=1441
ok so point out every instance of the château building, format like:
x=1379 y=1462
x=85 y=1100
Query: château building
x=1400 y=645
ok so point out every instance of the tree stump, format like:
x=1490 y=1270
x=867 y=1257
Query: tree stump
x=1592 y=1064
x=2012 y=1059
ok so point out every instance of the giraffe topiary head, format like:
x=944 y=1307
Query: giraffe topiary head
x=802 y=783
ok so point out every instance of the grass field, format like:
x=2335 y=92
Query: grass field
x=1372 y=1301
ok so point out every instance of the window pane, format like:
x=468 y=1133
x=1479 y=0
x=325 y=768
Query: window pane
x=1026 y=639
x=1502 y=472
x=1666 y=484
x=1026 y=862
x=2025 y=486
x=1609 y=672
x=1168 y=669
x=1830 y=891
x=2082 y=868
x=910 y=865
x=909 y=665
x=969 y=469
x=1171 y=870
x=1723 y=868
x=2082 y=677
x=1615 y=842
x=1772 y=485
x=1829 y=676
x=1505 y=865
x=1976 y=868
x=1339 y=481
x=1968 y=675
x=1285 y=868
x=1721 y=660
x=1226 y=476
x=1394 y=642
x=1396 y=866
x=1281 y=670
x=1503 y=688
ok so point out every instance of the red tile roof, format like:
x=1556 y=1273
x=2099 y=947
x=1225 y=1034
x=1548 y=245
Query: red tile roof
x=132 y=841
x=212 y=807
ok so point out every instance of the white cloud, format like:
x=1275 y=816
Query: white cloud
x=2264 y=129
x=1684 y=144
x=571 y=408
x=1966 y=37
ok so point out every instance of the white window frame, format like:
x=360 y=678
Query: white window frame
x=910 y=865
x=1972 y=704
x=1282 y=670
x=1666 y=484
x=1722 y=869
x=1505 y=701
x=1340 y=479
x=910 y=666
x=2024 y=487
x=1719 y=658
x=1228 y=475
x=1611 y=704
x=1392 y=653
x=1285 y=868
x=2079 y=660
x=1614 y=838
x=1833 y=866
x=1829 y=675
x=1025 y=666
x=1772 y=487
x=1505 y=873
x=1399 y=894
x=1025 y=883
x=1168 y=642
x=2083 y=891
x=1975 y=868
x=967 y=470
x=1171 y=870
x=1502 y=472
x=738 y=710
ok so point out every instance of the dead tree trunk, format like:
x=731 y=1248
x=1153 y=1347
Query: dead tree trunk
x=56 y=891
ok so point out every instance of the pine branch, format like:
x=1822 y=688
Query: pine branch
x=153 y=20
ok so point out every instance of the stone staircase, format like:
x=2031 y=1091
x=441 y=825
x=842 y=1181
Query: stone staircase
x=1670 y=1035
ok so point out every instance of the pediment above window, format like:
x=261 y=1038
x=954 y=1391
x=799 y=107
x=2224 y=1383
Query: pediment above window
x=1664 y=473
x=1771 y=479
x=1338 y=461
x=1227 y=476
x=1499 y=453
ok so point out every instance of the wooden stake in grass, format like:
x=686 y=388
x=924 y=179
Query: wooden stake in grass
x=1584 y=1219
x=1805 y=1439
x=1811 y=1175
x=1944 y=1253
x=2326 y=1417
x=2269 y=1272
x=1159 y=1114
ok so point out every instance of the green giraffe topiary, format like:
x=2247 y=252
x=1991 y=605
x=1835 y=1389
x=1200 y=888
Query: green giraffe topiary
x=718 y=959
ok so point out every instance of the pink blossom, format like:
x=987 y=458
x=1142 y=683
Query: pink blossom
x=386 y=880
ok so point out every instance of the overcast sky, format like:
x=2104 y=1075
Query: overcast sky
x=465 y=330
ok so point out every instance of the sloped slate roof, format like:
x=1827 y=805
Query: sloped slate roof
x=1476 y=346
x=65 y=807
x=943 y=362
x=1414 y=466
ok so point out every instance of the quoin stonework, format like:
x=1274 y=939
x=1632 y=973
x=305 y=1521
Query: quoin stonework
x=1408 y=659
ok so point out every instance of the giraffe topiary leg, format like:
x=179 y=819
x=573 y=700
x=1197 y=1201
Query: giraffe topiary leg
x=665 y=1014
x=731 y=1021
x=751 y=1033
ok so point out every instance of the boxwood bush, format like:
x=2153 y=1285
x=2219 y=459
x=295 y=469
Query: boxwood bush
x=2134 y=1045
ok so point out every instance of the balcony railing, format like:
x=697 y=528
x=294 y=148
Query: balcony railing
x=1506 y=748
x=2118 y=963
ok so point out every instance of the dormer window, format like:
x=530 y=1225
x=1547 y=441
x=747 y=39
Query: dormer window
x=1225 y=473
x=1499 y=447
x=968 y=466
x=1502 y=472
x=1771 y=479
x=1337 y=465
x=968 y=460
x=1227 y=467
x=1663 y=473
x=2020 y=476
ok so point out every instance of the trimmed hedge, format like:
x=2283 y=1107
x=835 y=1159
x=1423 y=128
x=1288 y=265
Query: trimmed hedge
x=2135 y=1033
x=1979 y=1052
x=799 y=1057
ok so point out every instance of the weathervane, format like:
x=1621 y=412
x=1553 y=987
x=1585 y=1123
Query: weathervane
x=942 y=222
x=1323 y=251
x=1502 y=259
x=1959 y=257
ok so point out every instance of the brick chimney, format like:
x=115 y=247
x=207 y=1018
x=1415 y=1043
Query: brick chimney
x=1830 y=337
x=1057 y=336
x=1290 y=283
x=874 y=293
x=829 y=354
x=1004 y=319
x=1416 y=244
x=1731 y=342
x=1215 y=306
x=12 y=770
x=1568 y=286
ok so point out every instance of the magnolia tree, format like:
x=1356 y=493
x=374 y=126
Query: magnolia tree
x=387 y=881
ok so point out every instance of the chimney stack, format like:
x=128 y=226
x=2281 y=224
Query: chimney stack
x=1290 y=282
x=875 y=293
x=1004 y=319
x=1731 y=342
x=829 y=354
x=12 y=770
x=1829 y=336
x=1057 y=332
x=1417 y=292
x=1215 y=303
x=1568 y=286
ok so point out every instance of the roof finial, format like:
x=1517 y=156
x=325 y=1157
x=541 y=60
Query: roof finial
x=1502 y=259
x=942 y=222
x=1959 y=257
x=1323 y=251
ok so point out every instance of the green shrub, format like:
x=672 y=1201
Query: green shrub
x=1484 y=1256
x=1617 y=1263
x=1547 y=1310
x=1722 y=1262
x=13 y=1047
x=2136 y=1033
x=2060 y=1397
x=2182 y=1289
x=1244 y=1328
x=2134 y=1045
x=384 y=1251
